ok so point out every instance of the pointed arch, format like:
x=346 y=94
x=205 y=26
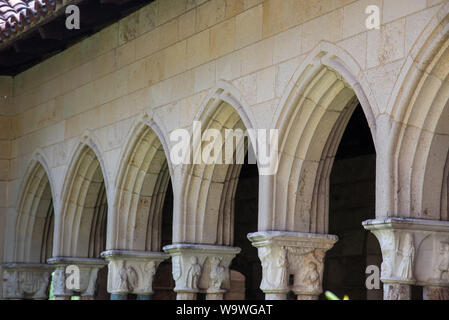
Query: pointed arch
x=311 y=118
x=81 y=227
x=141 y=184
x=420 y=126
x=33 y=231
x=205 y=211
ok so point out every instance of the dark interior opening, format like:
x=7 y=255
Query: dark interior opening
x=163 y=283
x=246 y=264
x=352 y=201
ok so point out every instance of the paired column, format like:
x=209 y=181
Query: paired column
x=132 y=272
x=75 y=276
x=26 y=281
x=285 y=254
x=201 y=269
x=414 y=252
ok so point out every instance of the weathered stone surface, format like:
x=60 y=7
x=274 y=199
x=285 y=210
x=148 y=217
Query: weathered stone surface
x=132 y=271
x=201 y=268
x=298 y=66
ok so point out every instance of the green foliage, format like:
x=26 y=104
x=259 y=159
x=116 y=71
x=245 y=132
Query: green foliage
x=330 y=296
x=51 y=295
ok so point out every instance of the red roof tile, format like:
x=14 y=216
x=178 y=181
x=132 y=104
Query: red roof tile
x=15 y=15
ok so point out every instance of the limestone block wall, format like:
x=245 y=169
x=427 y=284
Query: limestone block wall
x=171 y=58
x=6 y=135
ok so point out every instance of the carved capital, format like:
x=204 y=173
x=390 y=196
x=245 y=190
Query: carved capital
x=132 y=271
x=414 y=251
x=292 y=253
x=26 y=281
x=66 y=283
x=201 y=268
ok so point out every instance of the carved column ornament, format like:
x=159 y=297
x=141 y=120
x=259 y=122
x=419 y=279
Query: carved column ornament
x=26 y=281
x=414 y=252
x=132 y=271
x=65 y=284
x=201 y=268
x=291 y=253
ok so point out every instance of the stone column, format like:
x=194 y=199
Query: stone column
x=201 y=268
x=414 y=252
x=26 y=281
x=75 y=276
x=132 y=272
x=291 y=253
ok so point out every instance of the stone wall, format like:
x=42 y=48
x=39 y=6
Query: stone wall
x=167 y=56
x=6 y=135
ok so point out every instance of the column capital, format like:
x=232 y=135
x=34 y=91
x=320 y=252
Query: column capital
x=414 y=251
x=132 y=271
x=26 y=280
x=88 y=271
x=201 y=268
x=292 y=253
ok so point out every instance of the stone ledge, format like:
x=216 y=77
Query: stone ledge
x=295 y=239
x=200 y=249
x=134 y=255
x=77 y=261
x=407 y=224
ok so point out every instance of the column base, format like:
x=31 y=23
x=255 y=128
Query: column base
x=186 y=296
x=214 y=296
x=307 y=297
x=144 y=297
x=118 y=296
x=275 y=296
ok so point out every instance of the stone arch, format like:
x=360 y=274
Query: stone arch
x=81 y=226
x=311 y=118
x=420 y=127
x=204 y=213
x=33 y=227
x=141 y=184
